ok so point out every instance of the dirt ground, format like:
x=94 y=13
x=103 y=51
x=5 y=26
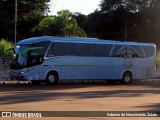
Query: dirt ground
x=139 y=96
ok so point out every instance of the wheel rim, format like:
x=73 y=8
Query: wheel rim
x=51 y=79
x=127 y=79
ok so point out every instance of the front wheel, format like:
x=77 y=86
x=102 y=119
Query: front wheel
x=51 y=79
x=127 y=78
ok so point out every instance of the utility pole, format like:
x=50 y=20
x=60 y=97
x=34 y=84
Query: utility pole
x=126 y=32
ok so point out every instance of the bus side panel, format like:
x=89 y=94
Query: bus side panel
x=51 y=65
x=143 y=68
x=116 y=68
x=149 y=72
x=138 y=72
x=102 y=68
x=79 y=67
x=76 y=68
x=85 y=67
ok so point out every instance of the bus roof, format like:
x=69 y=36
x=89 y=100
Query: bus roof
x=78 y=40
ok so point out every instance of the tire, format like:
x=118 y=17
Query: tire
x=51 y=79
x=127 y=78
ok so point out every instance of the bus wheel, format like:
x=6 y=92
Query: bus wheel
x=51 y=79
x=127 y=78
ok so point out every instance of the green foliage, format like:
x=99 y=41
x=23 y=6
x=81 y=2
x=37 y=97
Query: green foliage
x=29 y=13
x=6 y=47
x=61 y=25
x=81 y=19
x=158 y=54
x=44 y=24
x=129 y=5
x=141 y=20
x=158 y=58
x=108 y=22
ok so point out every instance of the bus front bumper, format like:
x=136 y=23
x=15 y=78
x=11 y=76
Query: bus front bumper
x=17 y=76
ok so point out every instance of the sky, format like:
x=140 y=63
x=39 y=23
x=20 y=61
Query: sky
x=83 y=6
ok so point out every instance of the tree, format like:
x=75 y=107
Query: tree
x=109 y=25
x=81 y=19
x=61 y=25
x=29 y=13
x=129 y=5
x=137 y=19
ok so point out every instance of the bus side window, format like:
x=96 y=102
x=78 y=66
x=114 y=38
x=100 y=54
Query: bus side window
x=149 y=50
x=103 y=50
x=100 y=50
x=62 y=49
x=131 y=52
x=124 y=51
x=82 y=49
x=50 y=52
x=137 y=51
x=91 y=49
x=119 y=51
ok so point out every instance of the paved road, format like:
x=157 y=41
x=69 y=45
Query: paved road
x=139 y=96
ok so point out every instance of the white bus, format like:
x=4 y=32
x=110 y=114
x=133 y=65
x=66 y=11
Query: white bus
x=54 y=59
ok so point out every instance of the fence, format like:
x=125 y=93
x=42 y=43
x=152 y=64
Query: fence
x=4 y=68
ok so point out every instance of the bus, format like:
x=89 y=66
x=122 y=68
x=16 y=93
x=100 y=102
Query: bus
x=53 y=59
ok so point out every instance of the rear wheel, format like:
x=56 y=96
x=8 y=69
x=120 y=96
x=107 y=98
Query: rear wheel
x=51 y=78
x=127 y=78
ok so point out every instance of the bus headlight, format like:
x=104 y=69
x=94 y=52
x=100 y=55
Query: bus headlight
x=23 y=72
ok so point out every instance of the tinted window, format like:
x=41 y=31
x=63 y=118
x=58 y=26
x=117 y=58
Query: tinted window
x=36 y=52
x=50 y=52
x=43 y=44
x=83 y=49
x=137 y=51
x=102 y=50
x=128 y=51
x=149 y=50
x=118 y=51
x=61 y=49
x=79 y=49
x=91 y=50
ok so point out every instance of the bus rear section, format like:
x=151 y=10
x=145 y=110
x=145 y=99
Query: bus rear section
x=136 y=59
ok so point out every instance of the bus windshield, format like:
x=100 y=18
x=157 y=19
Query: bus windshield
x=28 y=55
